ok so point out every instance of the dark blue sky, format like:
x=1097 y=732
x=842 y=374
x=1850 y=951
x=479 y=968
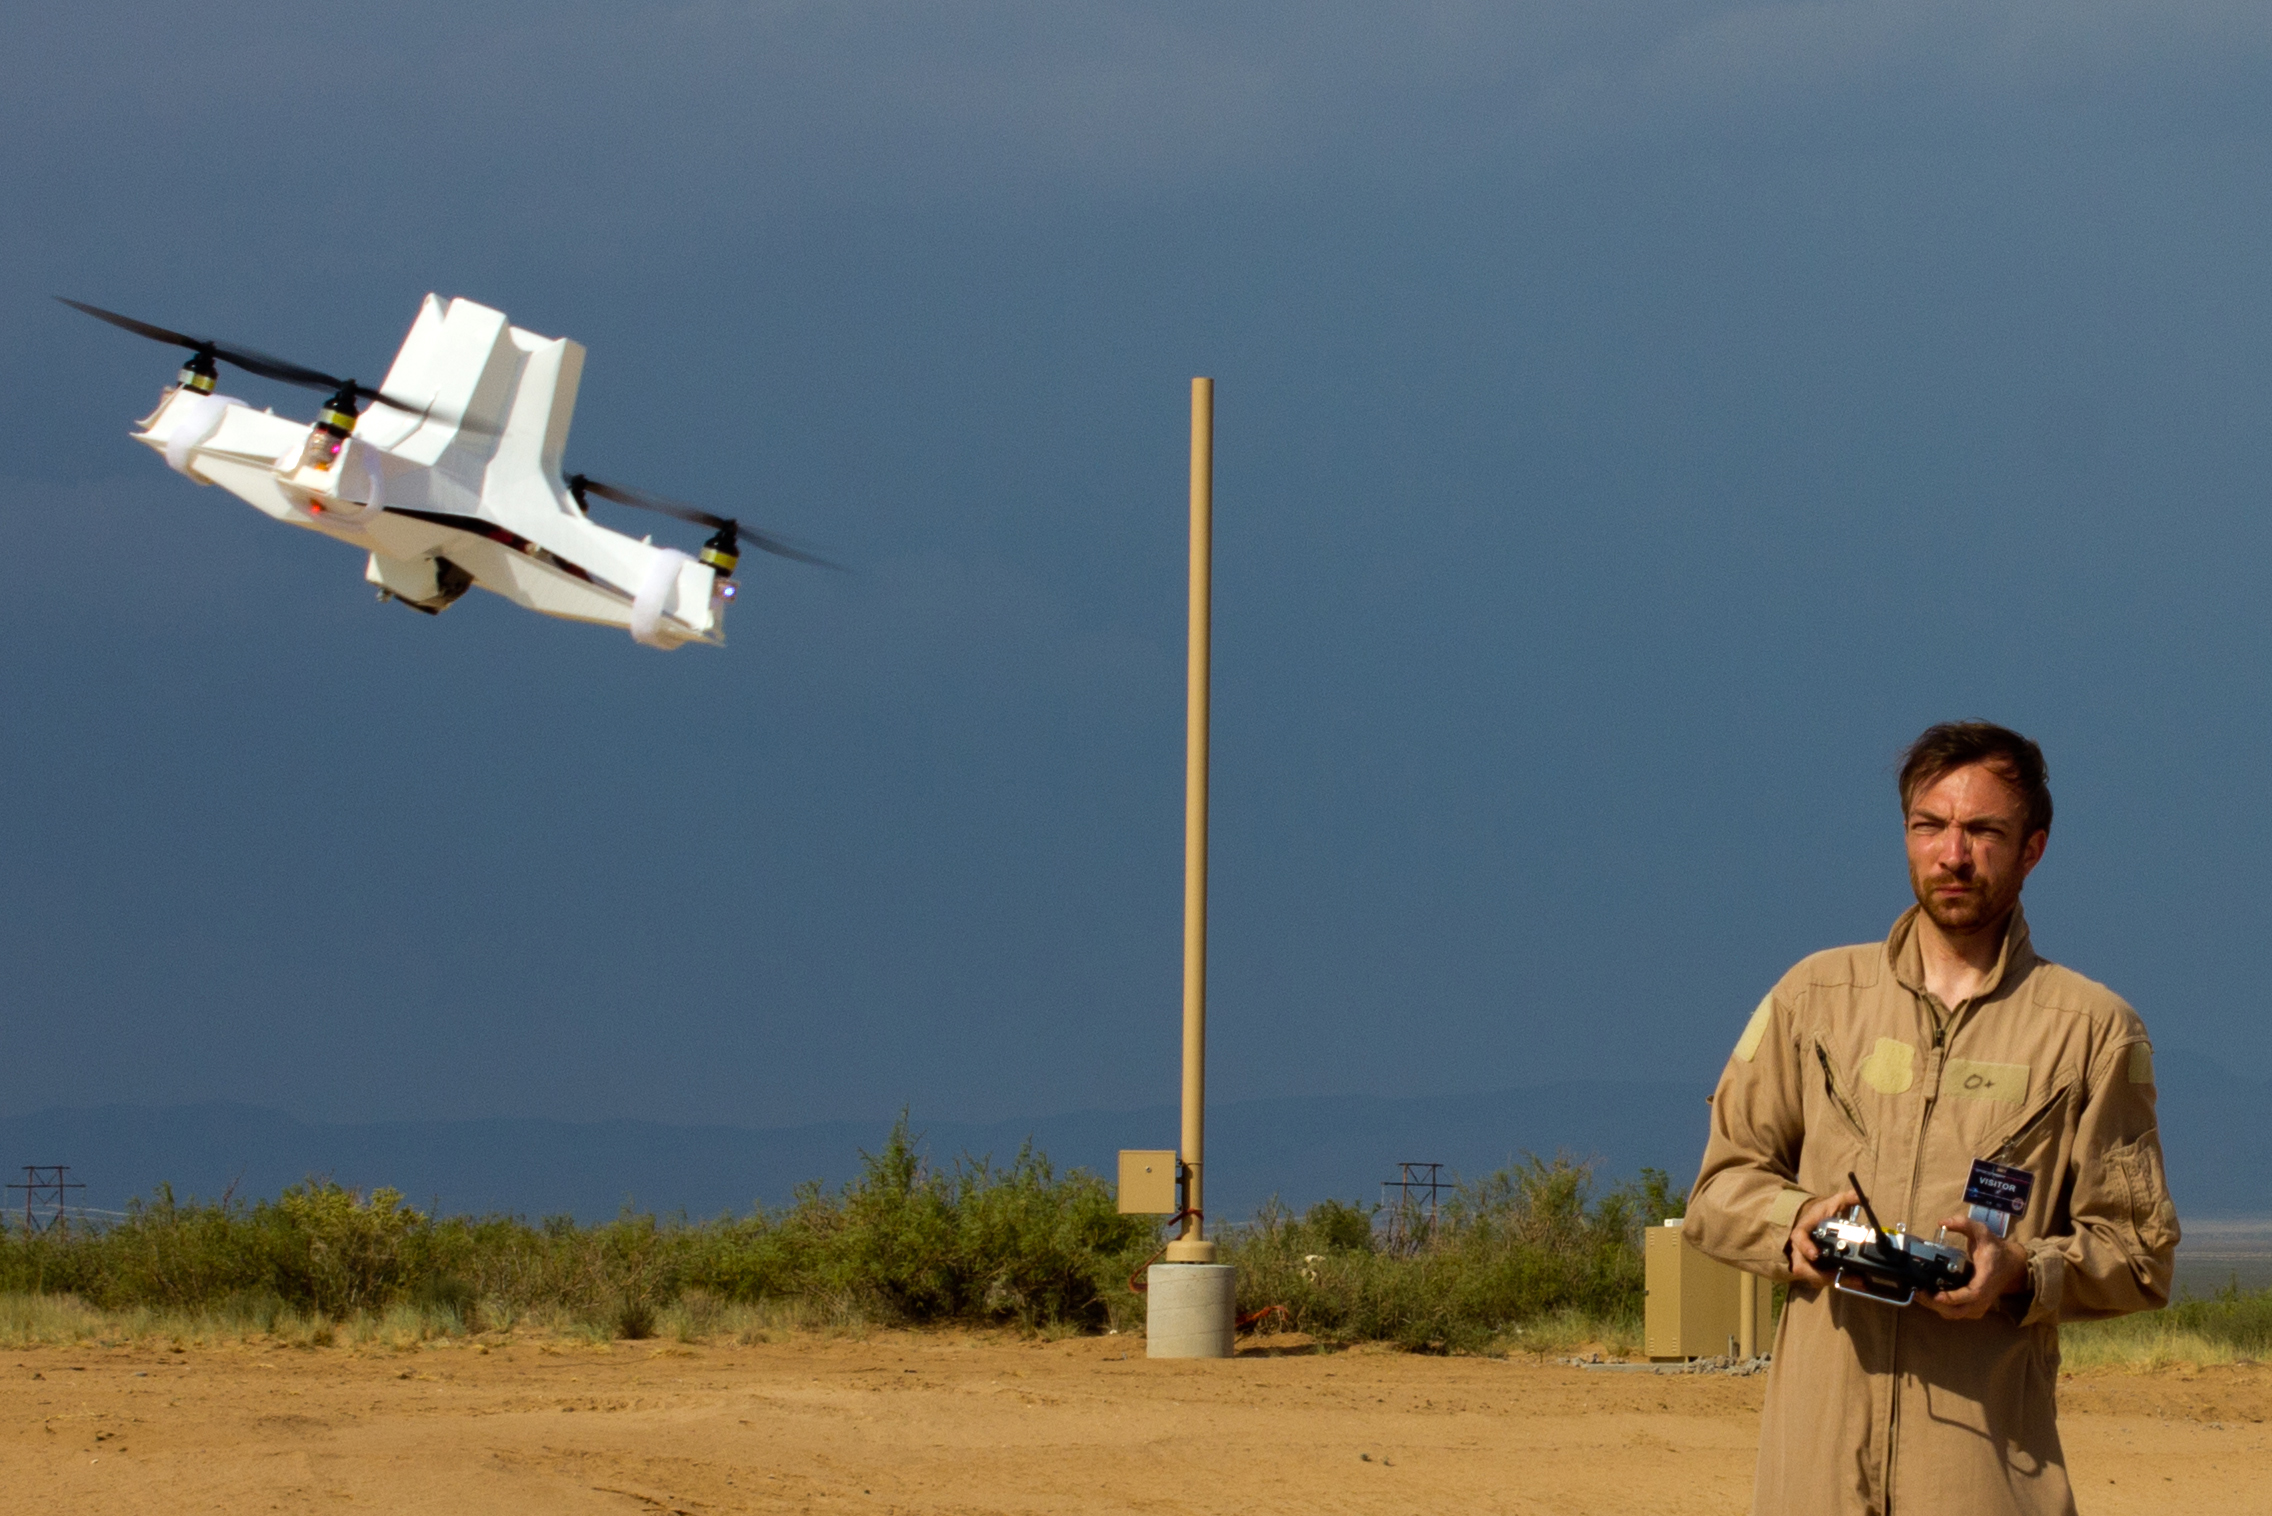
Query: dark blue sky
x=1636 y=422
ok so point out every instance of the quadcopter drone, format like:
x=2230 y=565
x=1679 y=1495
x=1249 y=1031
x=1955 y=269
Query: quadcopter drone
x=452 y=478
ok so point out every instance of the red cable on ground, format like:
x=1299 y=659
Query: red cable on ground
x=1137 y=1284
x=1136 y=1280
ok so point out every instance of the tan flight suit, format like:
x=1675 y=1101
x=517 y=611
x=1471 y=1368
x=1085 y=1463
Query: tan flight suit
x=1850 y=1065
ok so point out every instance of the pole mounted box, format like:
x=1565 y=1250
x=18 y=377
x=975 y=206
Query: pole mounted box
x=1147 y=1182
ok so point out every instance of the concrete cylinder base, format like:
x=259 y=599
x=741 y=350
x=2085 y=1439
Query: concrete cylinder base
x=1192 y=1310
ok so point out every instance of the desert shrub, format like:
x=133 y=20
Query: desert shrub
x=2229 y=1325
x=2242 y=1318
x=906 y=1241
x=338 y=1252
x=911 y=1242
x=1536 y=1256
x=317 y=1246
x=1533 y=1240
x=1334 y=1226
x=634 y=1318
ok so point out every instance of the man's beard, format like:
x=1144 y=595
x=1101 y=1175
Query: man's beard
x=1980 y=906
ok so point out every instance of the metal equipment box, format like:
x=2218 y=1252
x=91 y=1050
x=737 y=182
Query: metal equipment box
x=1695 y=1303
x=1147 y=1181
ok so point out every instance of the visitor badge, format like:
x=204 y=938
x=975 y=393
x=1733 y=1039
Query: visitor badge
x=1994 y=1187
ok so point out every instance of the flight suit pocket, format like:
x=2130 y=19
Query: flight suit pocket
x=2152 y=1214
x=1840 y=1098
x=2026 y=1132
x=2031 y=1139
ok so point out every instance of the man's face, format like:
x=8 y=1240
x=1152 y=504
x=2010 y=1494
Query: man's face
x=1969 y=848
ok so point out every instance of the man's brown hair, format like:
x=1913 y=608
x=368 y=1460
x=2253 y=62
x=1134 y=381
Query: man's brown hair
x=1960 y=744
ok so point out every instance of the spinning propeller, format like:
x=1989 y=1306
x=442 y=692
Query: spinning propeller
x=199 y=373
x=723 y=550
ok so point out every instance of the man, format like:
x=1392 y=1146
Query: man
x=1903 y=1063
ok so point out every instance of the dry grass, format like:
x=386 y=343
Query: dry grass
x=2143 y=1352
x=66 y=1320
x=2190 y=1334
x=1569 y=1333
x=2231 y=1326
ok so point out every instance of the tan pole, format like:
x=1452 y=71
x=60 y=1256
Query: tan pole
x=1747 y=1316
x=1191 y=1246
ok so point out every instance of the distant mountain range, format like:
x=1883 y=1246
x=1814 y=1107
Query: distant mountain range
x=2216 y=1128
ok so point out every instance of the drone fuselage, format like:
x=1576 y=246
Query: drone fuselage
x=470 y=492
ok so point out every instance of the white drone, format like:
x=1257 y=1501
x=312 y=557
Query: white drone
x=453 y=480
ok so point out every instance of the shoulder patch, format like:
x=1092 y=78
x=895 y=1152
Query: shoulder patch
x=2141 y=1063
x=1755 y=1030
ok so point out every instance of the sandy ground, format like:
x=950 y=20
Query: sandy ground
x=905 y=1422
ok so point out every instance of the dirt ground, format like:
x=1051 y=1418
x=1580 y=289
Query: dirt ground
x=923 y=1422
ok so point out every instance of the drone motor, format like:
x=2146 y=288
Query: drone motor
x=200 y=374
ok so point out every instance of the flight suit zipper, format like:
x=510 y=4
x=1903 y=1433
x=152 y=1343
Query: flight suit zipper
x=1942 y=1026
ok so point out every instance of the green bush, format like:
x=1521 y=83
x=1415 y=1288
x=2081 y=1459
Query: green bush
x=1535 y=1254
x=2241 y=1318
x=1533 y=1240
x=909 y=1242
x=2231 y=1325
x=905 y=1242
x=1337 y=1227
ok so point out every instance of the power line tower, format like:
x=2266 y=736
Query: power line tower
x=1412 y=1214
x=47 y=1185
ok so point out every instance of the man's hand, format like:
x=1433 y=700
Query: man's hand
x=1999 y=1266
x=1801 y=1248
